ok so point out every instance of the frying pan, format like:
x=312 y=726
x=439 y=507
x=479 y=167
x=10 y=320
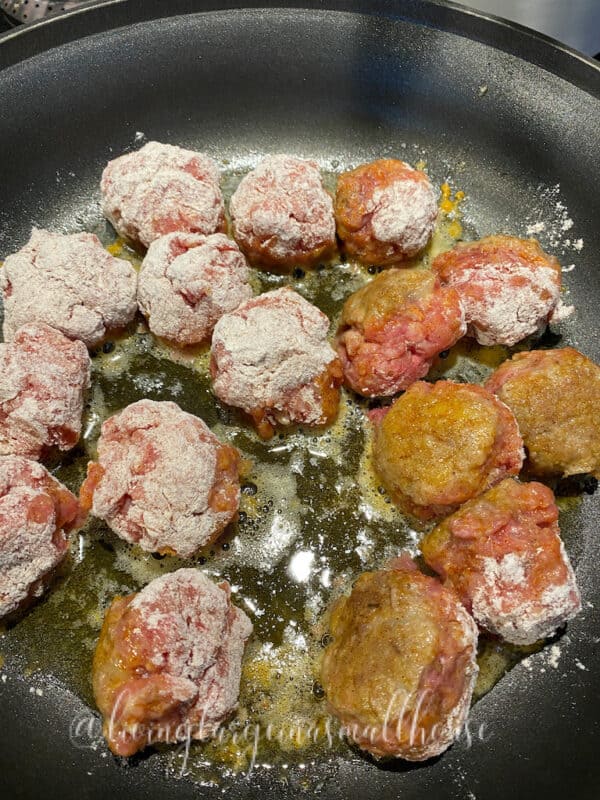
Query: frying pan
x=516 y=114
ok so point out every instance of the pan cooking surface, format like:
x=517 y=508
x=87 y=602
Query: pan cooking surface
x=343 y=88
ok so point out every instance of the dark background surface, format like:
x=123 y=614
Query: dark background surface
x=322 y=83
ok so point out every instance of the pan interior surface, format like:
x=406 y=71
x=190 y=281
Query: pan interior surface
x=342 y=88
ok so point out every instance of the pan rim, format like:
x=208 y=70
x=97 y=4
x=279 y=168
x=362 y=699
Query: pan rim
x=23 y=42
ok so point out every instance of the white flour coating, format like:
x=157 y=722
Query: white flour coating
x=269 y=347
x=554 y=656
x=561 y=312
x=523 y=621
x=160 y=470
x=165 y=607
x=550 y=217
x=537 y=227
x=159 y=189
x=504 y=313
x=69 y=282
x=43 y=377
x=188 y=281
x=511 y=569
x=219 y=689
x=201 y=639
x=404 y=214
x=29 y=550
x=283 y=204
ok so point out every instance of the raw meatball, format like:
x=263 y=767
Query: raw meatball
x=43 y=377
x=36 y=514
x=161 y=189
x=69 y=282
x=282 y=216
x=163 y=481
x=503 y=555
x=392 y=329
x=385 y=211
x=271 y=358
x=400 y=670
x=188 y=281
x=509 y=287
x=555 y=396
x=168 y=662
x=441 y=444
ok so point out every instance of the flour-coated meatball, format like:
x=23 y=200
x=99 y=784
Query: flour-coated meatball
x=162 y=481
x=36 y=514
x=282 y=216
x=160 y=189
x=43 y=379
x=385 y=211
x=168 y=662
x=502 y=553
x=188 y=281
x=71 y=283
x=271 y=358
x=510 y=287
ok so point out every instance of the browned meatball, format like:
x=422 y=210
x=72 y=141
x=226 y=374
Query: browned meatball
x=392 y=329
x=400 y=670
x=385 y=211
x=555 y=396
x=503 y=554
x=441 y=444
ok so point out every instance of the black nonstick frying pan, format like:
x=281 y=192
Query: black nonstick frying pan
x=515 y=115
